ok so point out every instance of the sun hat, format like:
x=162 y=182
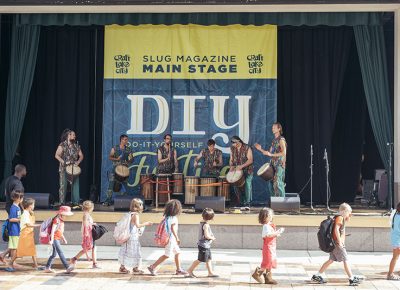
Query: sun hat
x=65 y=210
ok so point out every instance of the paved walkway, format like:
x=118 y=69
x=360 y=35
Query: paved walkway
x=234 y=267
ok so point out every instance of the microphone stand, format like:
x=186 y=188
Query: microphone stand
x=390 y=185
x=327 y=179
x=311 y=176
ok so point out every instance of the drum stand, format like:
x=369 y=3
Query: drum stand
x=311 y=177
x=168 y=189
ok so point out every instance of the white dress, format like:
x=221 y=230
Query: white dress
x=130 y=254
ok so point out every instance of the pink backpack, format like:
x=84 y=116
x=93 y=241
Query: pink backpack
x=122 y=231
x=45 y=230
x=162 y=235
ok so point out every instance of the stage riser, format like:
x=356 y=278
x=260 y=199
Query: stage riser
x=249 y=237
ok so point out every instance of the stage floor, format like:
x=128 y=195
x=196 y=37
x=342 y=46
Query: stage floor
x=362 y=216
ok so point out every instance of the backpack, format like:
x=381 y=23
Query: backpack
x=45 y=230
x=161 y=237
x=325 y=236
x=4 y=231
x=122 y=231
x=98 y=231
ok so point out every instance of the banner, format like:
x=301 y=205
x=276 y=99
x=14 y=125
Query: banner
x=193 y=82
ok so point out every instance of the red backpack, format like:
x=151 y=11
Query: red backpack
x=161 y=237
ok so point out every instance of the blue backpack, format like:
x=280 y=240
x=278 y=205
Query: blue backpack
x=4 y=231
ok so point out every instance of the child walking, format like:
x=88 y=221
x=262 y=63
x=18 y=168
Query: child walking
x=339 y=254
x=56 y=236
x=14 y=218
x=26 y=244
x=88 y=243
x=206 y=237
x=269 y=234
x=130 y=254
x=395 y=240
x=172 y=209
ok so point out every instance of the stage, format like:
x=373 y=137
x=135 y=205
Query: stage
x=368 y=228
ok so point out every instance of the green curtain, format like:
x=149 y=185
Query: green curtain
x=24 y=47
x=372 y=54
x=255 y=18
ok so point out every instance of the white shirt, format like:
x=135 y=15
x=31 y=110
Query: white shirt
x=267 y=230
x=25 y=219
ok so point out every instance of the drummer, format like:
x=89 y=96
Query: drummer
x=68 y=153
x=167 y=157
x=212 y=160
x=277 y=152
x=119 y=154
x=242 y=159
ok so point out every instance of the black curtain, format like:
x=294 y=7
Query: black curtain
x=311 y=65
x=66 y=93
x=5 y=53
x=349 y=134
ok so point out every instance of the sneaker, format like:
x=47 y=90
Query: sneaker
x=70 y=268
x=318 y=278
x=96 y=266
x=181 y=272
x=49 y=270
x=152 y=271
x=355 y=281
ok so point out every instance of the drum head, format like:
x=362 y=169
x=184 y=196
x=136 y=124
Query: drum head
x=163 y=175
x=122 y=170
x=263 y=169
x=73 y=169
x=233 y=176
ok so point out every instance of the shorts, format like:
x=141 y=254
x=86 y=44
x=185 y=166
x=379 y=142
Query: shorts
x=172 y=248
x=338 y=254
x=204 y=254
x=13 y=242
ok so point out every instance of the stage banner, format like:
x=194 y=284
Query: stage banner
x=191 y=81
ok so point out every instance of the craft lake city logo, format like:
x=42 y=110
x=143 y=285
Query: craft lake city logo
x=122 y=63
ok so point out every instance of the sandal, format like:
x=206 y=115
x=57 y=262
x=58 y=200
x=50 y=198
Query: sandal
x=123 y=270
x=137 y=271
x=393 y=277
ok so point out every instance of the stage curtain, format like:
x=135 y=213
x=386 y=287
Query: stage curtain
x=66 y=93
x=372 y=54
x=24 y=46
x=349 y=134
x=278 y=18
x=311 y=65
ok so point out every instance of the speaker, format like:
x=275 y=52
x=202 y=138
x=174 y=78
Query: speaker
x=291 y=194
x=217 y=203
x=287 y=203
x=122 y=202
x=383 y=188
x=368 y=187
x=42 y=200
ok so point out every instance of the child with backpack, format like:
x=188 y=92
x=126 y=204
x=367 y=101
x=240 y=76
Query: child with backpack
x=14 y=218
x=339 y=253
x=395 y=241
x=26 y=244
x=130 y=253
x=88 y=243
x=206 y=237
x=56 y=236
x=172 y=209
x=263 y=273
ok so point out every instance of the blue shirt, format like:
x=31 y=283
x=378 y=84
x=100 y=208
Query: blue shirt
x=15 y=213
